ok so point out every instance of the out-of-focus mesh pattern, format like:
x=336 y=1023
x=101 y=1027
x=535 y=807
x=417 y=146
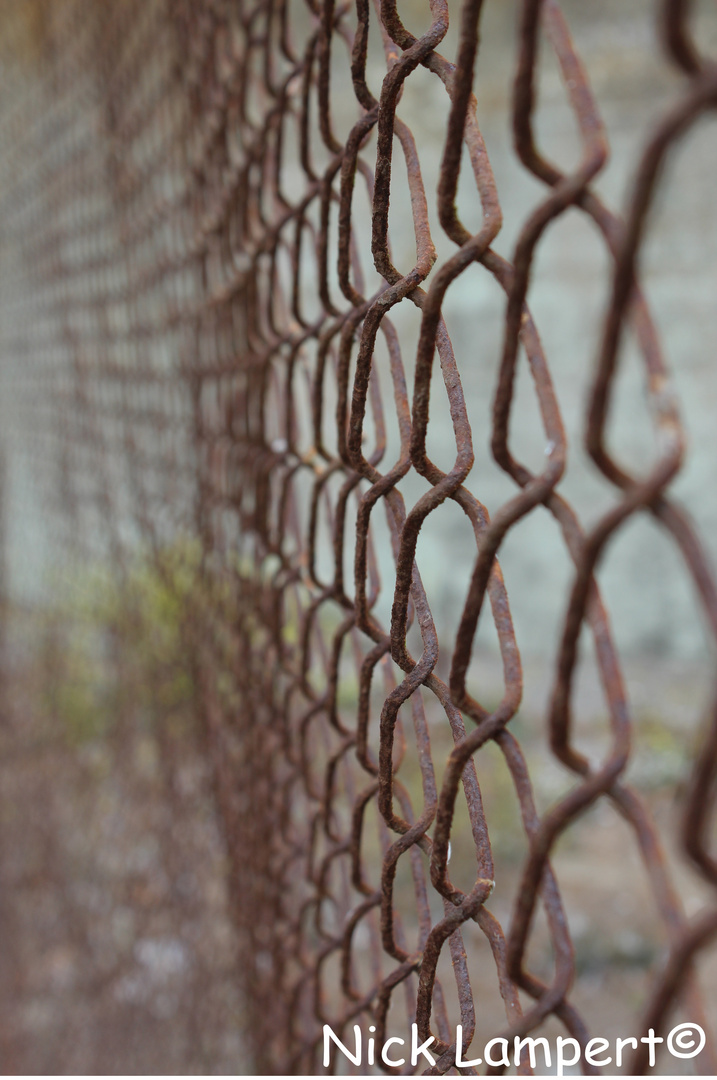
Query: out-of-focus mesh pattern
x=207 y=331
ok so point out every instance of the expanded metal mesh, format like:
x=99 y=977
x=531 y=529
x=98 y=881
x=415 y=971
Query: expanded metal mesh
x=202 y=322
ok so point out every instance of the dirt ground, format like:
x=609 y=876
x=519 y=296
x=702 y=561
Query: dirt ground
x=118 y=951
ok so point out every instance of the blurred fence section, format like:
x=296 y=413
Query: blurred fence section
x=259 y=329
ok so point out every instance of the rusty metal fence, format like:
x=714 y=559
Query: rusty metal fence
x=208 y=339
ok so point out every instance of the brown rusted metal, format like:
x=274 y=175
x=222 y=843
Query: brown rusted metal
x=183 y=205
